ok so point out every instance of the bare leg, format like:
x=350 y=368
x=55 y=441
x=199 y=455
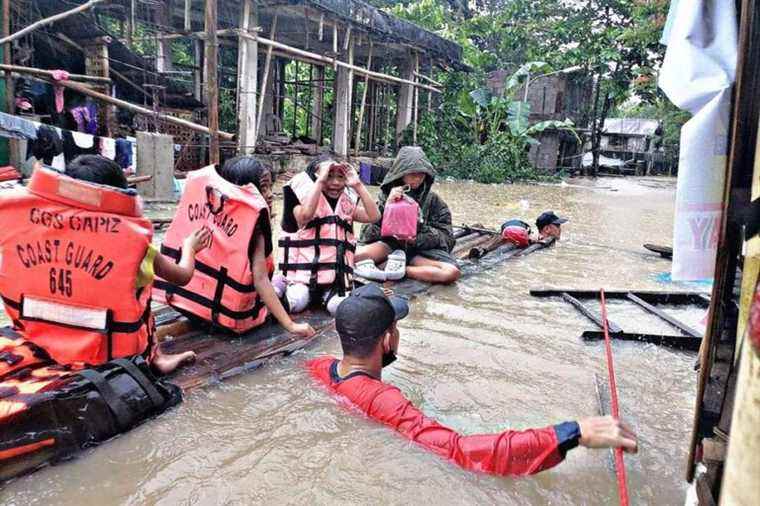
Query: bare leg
x=377 y=251
x=432 y=271
x=165 y=363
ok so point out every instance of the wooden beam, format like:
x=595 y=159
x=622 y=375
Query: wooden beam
x=677 y=342
x=675 y=322
x=212 y=84
x=651 y=296
x=265 y=76
x=49 y=20
x=591 y=314
x=363 y=104
x=378 y=76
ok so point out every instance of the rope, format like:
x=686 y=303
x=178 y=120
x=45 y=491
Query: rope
x=619 y=464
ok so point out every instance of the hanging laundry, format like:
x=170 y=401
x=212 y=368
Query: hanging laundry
x=59 y=75
x=77 y=143
x=86 y=121
x=16 y=128
x=124 y=153
x=108 y=147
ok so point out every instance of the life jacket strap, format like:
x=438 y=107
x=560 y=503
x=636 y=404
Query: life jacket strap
x=121 y=412
x=218 y=274
x=332 y=219
x=209 y=303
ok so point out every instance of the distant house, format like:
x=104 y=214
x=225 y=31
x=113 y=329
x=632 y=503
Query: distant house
x=634 y=141
x=554 y=97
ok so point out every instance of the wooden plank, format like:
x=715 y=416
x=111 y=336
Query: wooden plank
x=651 y=296
x=675 y=322
x=544 y=243
x=677 y=342
x=590 y=313
x=663 y=251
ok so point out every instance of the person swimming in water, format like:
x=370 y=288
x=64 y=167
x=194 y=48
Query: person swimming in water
x=367 y=326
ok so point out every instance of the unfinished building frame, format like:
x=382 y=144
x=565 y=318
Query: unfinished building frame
x=285 y=76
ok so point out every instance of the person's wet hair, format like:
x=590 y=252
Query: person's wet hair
x=311 y=169
x=243 y=170
x=97 y=169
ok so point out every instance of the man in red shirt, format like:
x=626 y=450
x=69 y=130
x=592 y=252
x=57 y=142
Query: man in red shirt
x=366 y=324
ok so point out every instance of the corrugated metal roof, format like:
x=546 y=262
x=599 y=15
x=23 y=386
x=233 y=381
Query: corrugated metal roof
x=631 y=126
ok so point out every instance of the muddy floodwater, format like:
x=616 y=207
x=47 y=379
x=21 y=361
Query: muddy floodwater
x=480 y=356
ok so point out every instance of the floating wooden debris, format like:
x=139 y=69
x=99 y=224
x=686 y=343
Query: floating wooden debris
x=663 y=251
x=690 y=340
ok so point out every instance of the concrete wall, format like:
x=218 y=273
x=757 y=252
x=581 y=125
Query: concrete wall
x=297 y=163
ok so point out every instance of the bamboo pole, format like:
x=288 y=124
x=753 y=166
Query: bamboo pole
x=49 y=20
x=338 y=63
x=80 y=88
x=363 y=104
x=49 y=73
x=265 y=76
x=428 y=79
x=212 y=84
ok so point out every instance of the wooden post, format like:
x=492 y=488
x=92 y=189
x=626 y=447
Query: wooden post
x=10 y=99
x=197 y=71
x=131 y=23
x=341 y=122
x=248 y=70
x=360 y=122
x=96 y=63
x=212 y=86
x=188 y=15
x=405 y=99
x=416 y=105
x=163 y=45
x=265 y=76
x=316 y=106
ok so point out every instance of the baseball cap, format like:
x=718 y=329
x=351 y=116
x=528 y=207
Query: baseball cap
x=549 y=218
x=367 y=311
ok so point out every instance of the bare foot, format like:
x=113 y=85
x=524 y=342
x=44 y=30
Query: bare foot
x=165 y=363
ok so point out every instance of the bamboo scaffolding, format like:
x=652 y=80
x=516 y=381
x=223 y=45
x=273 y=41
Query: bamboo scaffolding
x=80 y=88
x=49 y=73
x=50 y=20
x=292 y=51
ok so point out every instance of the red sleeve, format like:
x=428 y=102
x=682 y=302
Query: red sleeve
x=507 y=453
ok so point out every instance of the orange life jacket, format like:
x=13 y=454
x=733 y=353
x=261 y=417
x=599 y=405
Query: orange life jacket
x=70 y=253
x=221 y=290
x=322 y=252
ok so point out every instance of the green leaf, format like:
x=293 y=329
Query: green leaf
x=481 y=96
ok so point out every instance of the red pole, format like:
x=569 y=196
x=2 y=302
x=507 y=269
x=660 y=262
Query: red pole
x=619 y=463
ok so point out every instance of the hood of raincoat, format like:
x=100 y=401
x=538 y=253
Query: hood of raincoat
x=408 y=160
